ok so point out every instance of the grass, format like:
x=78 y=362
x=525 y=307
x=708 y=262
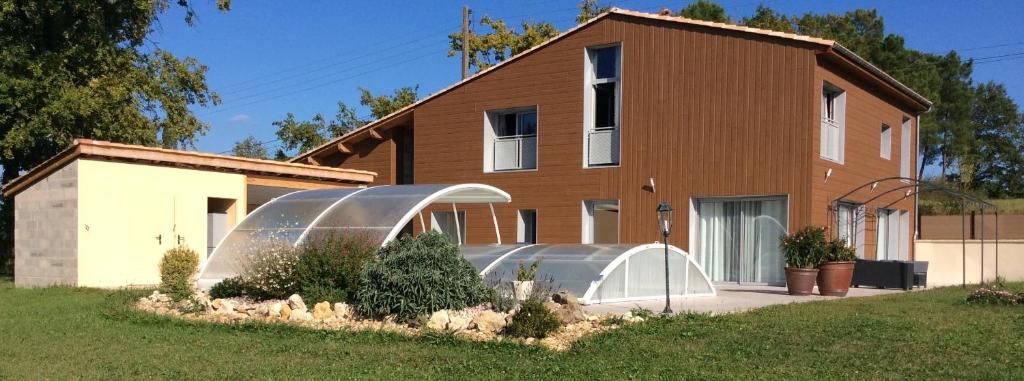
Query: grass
x=61 y=332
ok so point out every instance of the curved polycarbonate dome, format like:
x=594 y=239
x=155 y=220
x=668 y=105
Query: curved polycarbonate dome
x=379 y=213
x=598 y=273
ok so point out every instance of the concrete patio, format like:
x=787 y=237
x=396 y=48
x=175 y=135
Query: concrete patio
x=731 y=298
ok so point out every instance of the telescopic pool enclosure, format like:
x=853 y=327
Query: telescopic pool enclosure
x=595 y=273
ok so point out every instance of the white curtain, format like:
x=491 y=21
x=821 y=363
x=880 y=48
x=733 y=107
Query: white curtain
x=882 y=243
x=738 y=240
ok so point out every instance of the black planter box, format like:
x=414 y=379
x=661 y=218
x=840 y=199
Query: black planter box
x=883 y=274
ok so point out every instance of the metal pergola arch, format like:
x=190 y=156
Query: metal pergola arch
x=916 y=185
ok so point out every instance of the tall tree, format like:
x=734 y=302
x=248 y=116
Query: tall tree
x=766 y=18
x=590 y=9
x=81 y=69
x=706 y=10
x=302 y=136
x=996 y=160
x=501 y=43
x=250 y=148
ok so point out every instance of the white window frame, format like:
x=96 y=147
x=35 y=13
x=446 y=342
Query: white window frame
x=521 y=225
x=833 y=123
x=857 y=225
x=492 y=120
x=587 y=236
x=905 y=149
x=589 y=99
x=885 y=145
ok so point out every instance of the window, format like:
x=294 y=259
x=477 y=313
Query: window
x=893 y=235
x=833 y=122
x=446 y=223
x=526 y=231
x=905 y=148
x=737 y=239
x=886 y=143
x=510 y=139
x=220 y=215
x=600 y=222
x=850 y=226
x=602 y=106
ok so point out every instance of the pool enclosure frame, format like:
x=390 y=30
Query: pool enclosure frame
x=596 y=273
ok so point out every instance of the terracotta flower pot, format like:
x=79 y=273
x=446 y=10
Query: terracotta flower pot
x=835 y=277
x=800 y=281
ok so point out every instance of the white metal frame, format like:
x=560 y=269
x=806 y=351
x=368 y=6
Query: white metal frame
x=588 y=297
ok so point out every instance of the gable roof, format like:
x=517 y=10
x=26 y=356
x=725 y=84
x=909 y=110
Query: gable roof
x=101 y=150
x=827 y=47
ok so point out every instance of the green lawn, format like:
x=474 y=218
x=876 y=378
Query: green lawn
x=61 y=333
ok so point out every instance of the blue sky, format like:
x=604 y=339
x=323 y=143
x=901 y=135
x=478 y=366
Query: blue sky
x=269 y=58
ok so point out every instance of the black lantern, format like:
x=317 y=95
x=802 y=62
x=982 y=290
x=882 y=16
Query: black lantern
x=665 y=218
x=665 y=224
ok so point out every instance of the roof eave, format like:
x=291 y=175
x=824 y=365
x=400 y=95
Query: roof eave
x=925 y=104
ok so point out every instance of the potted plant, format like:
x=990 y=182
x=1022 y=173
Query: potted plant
x=836 y=271
x=803 y=250
x=523 y=285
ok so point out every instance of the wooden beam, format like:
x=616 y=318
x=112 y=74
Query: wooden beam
x=312 y=161
x=273 y=181
x=375 y=134
x=342 y=148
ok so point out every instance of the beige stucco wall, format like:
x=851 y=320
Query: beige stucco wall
x=123 y=207
x=946 y=260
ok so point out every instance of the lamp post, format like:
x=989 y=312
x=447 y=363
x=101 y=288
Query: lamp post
x=665 y=223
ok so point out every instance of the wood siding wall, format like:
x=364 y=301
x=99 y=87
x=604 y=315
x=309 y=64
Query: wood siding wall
x=706 y=112
x=369 y=155
x=866 y=111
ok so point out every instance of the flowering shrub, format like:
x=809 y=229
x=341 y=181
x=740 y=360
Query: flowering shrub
x=805 y=248
x=270 y=273
x=995 y=297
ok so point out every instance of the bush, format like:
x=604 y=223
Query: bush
x=229 y=288
x=532 y=320
x=501 y=293
x=270 y=273
x=805 y=248
x=421 y=275
x=177 y=268
x=838 y=251
x=328 y=269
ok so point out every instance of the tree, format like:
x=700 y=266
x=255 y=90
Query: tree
x=706 y=10
x=995 y=163
x=306 y=135
x=81 y=69
x=250 y=148
x=590 y=9
x=502 y=43
x=766 y=18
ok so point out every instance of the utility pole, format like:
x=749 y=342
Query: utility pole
x=465 y=41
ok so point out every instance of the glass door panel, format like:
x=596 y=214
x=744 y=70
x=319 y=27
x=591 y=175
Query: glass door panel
x=738 y=239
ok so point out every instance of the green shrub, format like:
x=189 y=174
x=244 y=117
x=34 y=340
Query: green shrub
x=526 y=274
x=501 y=293
x=270 y=273
x=805 y=248
x=177 y=268
x=421 y=275
x=328 y=269
x=532 y=320
x=641 y=312
x=838 y=251
x=229 y=288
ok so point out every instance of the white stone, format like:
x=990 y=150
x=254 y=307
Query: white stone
x=300 y=315
x=274 y=310
x=342 y=311
x=296 y=303
x=489 y=322
x=438 y=321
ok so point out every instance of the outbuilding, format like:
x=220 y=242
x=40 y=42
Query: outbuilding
x=102 y=214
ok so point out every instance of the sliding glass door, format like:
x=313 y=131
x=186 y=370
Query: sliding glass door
x=737 y=239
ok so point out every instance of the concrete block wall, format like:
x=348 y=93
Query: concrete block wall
x=45 y=231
